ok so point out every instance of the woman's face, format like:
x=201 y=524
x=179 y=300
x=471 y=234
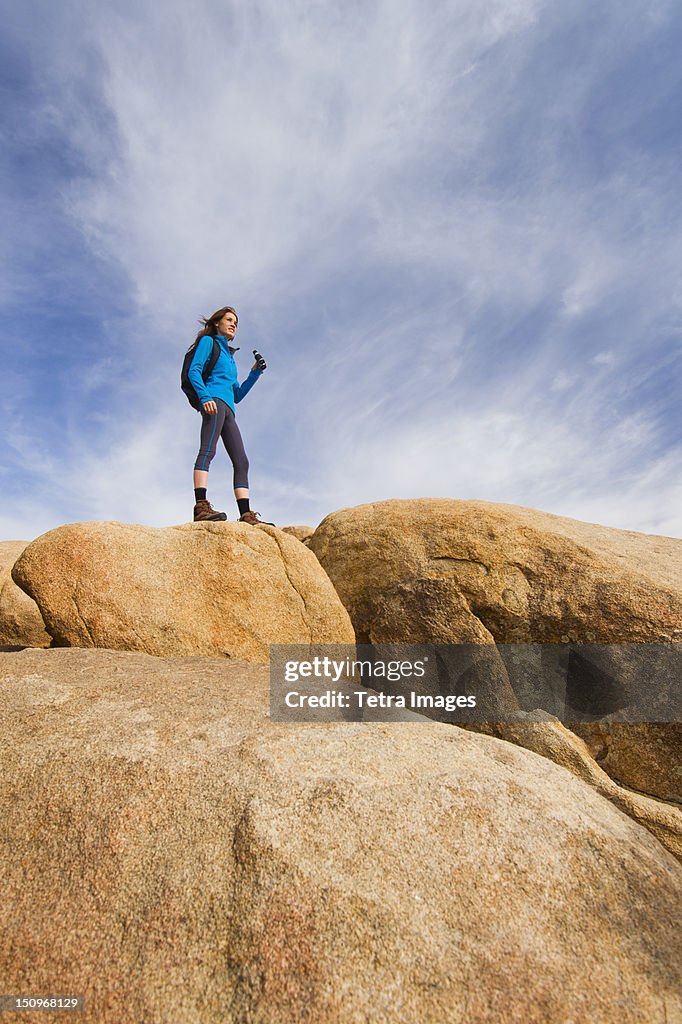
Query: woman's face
x=228 y=325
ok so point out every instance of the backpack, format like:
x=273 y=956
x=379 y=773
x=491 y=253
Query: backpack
x=185 y=382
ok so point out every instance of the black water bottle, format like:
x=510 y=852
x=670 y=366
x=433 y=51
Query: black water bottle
x=260 y=362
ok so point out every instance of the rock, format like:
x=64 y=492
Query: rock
x=420 y=610
x=21 y=624
x=659 y=558
x=301 y=533
x=446 y=571
x=553 y=740
x=646 y=756
x=514 y=575
x=221 y=589
x=172 y=854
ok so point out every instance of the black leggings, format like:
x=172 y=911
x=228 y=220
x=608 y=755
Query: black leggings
x=223 y=425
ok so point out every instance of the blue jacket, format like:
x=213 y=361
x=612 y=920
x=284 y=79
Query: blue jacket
x=224 y=381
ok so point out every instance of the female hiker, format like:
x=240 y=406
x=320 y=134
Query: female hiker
x=217 y=392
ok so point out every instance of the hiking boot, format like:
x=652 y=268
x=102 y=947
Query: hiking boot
x=252 y=519
x=204 y=512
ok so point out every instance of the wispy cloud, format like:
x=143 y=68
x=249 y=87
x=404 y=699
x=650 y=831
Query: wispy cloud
x=453 y=230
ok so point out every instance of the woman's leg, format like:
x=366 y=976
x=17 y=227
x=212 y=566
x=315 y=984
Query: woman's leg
x=234 y=446
x=211 y=427
x=232 y=439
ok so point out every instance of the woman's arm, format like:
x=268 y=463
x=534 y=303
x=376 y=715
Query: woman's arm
x=242 y=390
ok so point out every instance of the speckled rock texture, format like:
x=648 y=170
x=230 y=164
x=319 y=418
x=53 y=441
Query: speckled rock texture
x=173 y=855
x=221 y=589
x=646 y=756
x=21 y=623
x=561 y=745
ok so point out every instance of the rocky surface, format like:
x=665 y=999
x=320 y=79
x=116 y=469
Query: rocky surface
x=561 y=745
x=659 y=558
x=175 y=856
x=500 y=573
x=21 y=623
x=646 y=756
x=223 y=589
x=302 y=533
x=445 y=571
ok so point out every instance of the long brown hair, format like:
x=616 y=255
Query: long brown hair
x=211 y=322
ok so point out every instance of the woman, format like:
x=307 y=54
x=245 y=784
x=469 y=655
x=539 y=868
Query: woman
x=218 y=395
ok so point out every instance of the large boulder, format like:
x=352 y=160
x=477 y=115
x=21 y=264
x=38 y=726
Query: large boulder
x=172 y=854
x=222 y=589
x=510 y=575
x=444 y=571
x=21 y=624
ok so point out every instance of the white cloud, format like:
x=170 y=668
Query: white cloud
x=532 y=460
x=563 y=380
x=250 y=137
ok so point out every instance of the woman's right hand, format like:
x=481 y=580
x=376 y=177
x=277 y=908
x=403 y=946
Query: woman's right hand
x=210 y=407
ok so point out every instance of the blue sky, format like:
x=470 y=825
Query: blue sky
x=452 y=228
